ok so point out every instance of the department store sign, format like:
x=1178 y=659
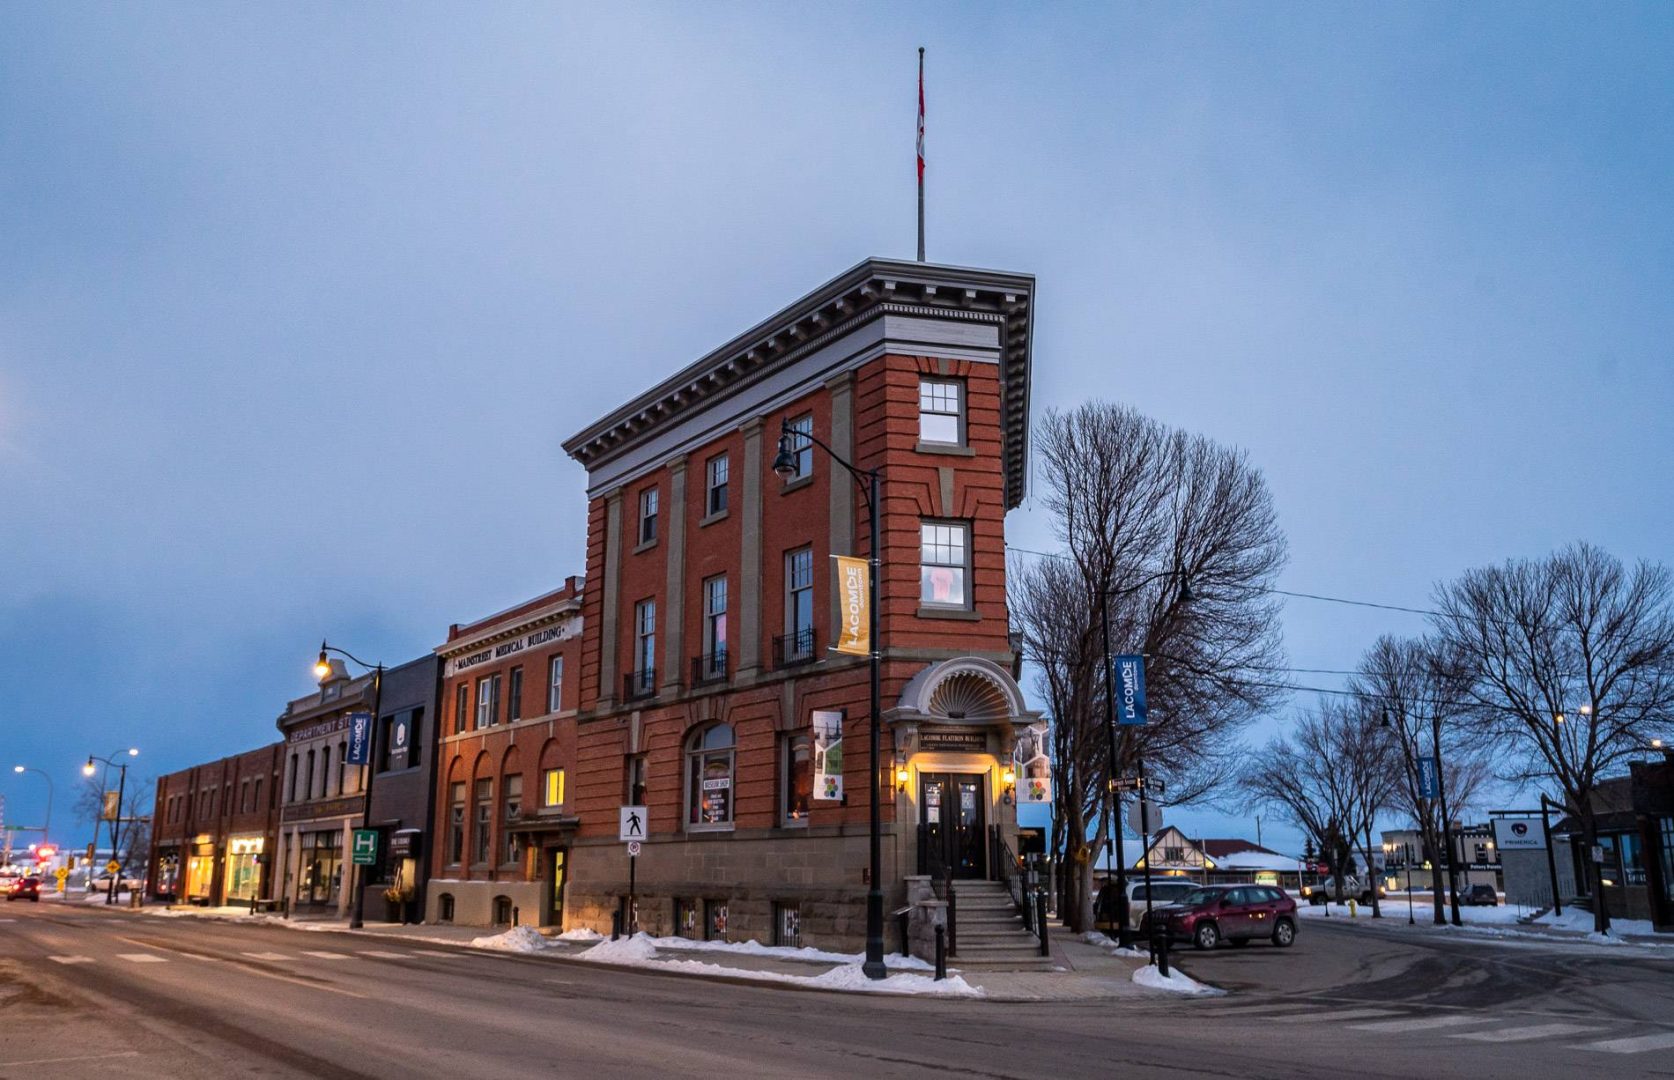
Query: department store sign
x=494 y=653
x=314 y=731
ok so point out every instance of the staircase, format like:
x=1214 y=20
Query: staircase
x=990 y=931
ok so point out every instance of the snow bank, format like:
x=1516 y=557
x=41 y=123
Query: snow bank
x=519 y=939
x=633 y=951
x=1575 y=919
x=641 y=951
x=1175 y=982
x=803 y=954
x=581 y=933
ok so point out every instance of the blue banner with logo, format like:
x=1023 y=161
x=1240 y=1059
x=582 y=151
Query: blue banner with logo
x=360 y=739
x=1429 y=777
x=1130 y=690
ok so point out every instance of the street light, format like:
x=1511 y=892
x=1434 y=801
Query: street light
x=46 y=826
x=322 y=668
x=1124 y=936
x=784 y=466
x=116 y=819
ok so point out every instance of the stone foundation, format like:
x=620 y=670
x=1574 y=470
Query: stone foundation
x=473 y=902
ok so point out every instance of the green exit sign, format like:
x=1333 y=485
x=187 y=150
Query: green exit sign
x=365 y=851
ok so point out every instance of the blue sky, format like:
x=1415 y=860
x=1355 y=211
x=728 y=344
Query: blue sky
x=297 y=305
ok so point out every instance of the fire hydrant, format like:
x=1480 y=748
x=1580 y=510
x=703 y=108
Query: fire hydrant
x=1351 y=908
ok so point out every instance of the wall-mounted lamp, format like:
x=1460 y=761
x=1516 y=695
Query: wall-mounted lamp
x=1008 y=779
x=901 y=777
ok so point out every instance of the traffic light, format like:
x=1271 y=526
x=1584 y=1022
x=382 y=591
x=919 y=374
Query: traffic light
x=45 y=852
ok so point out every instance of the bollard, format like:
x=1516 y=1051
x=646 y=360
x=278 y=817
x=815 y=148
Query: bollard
x=514 y=915
x=1040 y=921
x=941 y=952
x=616 y=925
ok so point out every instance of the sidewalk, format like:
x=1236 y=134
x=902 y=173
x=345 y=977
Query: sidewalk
x=1502 y=923
x=1090 y=972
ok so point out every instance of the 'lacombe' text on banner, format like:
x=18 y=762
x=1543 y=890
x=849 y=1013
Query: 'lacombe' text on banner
x=854 y=633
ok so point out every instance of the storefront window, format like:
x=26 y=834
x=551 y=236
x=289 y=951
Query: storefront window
x=244 y=871
x=709 y=778
x=322 y=867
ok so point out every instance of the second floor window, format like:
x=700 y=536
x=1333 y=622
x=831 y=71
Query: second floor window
x=941 y=416
x=715 y=620
x=514 y=695
x=488 y=700
x=462 y=708
x=944 y=564
x=648 y=515
x=456 y=822
x=715 y=483
x=555 y=684
x=799 y=601
x=645 y=637
x=552 y=788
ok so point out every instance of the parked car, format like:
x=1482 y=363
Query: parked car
x=1353 y=889
x=1240 y=914
x=1480 y=896
x=24 y=888
x=1163 y=891
x=101 y=884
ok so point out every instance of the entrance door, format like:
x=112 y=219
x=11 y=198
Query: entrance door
x=557 y=862
x=953 y=818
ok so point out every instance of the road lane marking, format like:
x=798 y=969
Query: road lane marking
x=1328 y=1016
x=1518 y=1034
x=266 y=956
x=1637 y=1045
x=327 y=955
x=433 y=952
x=383 y=955
x=140 y=958
x=70 y=960
x=8 y=920
x=1274 y=1006
x=1419 y=1023
x=78 y=1057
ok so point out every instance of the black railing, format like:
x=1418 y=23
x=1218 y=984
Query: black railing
x=639 y=684
x=710 y=667
x=789 y=650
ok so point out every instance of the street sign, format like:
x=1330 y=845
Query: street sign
x=633 y=849
x=62 y=875
x=1140 y=783
x=1429 y=777
x=1130 y=690
x=112 y=867
x=632 y=824
x=1145 y=817
x=365 y=852
x=360 y=739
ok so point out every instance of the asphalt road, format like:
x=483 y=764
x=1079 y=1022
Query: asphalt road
x=85 y=993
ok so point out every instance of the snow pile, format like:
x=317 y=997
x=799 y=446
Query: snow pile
x=519 y=939
x=803 y=954
x=1175 y=982
x=581 y=933
x=852 y=977
x=635 y=951
x=1098 y=940
x=1575 y=919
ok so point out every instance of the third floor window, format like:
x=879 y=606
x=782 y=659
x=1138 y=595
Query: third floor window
x=555 y=684
x=648 y=515
x=944 y=564
x=802 y=448
x=715 y=484
x=715 y=618
x=799 y=601
x=488 y=700
x=941 y=413
x=645 y=635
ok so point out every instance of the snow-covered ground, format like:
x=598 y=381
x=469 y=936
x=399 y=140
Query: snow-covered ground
x=641 y=951
x=1175 y=982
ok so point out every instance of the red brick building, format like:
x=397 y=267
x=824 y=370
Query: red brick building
x=504 y=814
x=709 y=608
x=214 y=829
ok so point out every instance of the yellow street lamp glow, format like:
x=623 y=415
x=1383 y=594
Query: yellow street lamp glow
x=322 y=666
x=1586 y=710
x=133 y=751
x=17 y=768
x=1560 y=718
x=87 y=770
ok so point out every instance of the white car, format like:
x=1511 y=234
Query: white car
x=1164 y=890
x=101 y=884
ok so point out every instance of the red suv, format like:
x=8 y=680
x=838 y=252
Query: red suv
x=25 y=888
x=1236 y=913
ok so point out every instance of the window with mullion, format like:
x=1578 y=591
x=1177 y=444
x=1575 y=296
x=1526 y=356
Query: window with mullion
x=799 y=601
x=941 y=413
x=555 y=684
x=514 y=695
x=715 y=626
x=709 y=778
x=944 y=564
x=648 y=515
x=802 y=448
x=645 y=644
x=484 y=818
x=715 y=483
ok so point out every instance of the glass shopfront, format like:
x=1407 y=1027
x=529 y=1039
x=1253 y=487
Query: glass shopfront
x=244 y=869
x=200 y=873
x=322 y=867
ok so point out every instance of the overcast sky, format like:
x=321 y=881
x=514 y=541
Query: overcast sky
x=296 y=305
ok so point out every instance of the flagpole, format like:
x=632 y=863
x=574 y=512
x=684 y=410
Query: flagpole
x=921 y=153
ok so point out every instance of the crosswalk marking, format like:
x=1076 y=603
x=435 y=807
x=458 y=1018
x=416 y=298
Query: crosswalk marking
x=1328 y=1017
x=327 y=955
x=266 y=956
x=1636 y=1045
x=1419 y=1023
x=8 y=920
x=431 y=952
x=1518 y=1034
x=71 y=959
x=383 y=955
x=141 y=958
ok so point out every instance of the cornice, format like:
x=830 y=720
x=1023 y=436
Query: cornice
x=870 y=290
x=512 y=627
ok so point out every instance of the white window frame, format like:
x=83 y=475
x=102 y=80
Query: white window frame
x=697 y=760
x=648 y=506
x=928 y=541
x=802 y=450
x=555 y=683
x=787 y=754
x=792 y=589
x=645 y=637
x=933 y=395
x=715 y=485
x=715 y=615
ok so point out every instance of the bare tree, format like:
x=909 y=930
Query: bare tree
x=1141 y=509
x=1570 y=663
x=1420 y=694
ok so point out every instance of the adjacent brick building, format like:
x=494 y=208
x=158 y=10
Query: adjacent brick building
x=502 y=812
x=214 y=829
x=709 y=605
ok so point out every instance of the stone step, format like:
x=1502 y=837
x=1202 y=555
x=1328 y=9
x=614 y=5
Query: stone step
x=990 y=949
x=1039 y=963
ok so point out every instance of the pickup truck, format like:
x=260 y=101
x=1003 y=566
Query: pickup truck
x=1353 y=889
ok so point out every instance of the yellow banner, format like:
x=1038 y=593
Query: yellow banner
x=854 y=624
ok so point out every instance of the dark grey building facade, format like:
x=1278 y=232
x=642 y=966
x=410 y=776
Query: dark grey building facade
x=403 y=791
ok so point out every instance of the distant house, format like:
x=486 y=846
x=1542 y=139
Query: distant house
x=1217 y=861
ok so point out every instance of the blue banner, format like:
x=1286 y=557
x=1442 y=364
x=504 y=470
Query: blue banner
x=360 y=739
x=1130 y=690
x=1429 y=777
